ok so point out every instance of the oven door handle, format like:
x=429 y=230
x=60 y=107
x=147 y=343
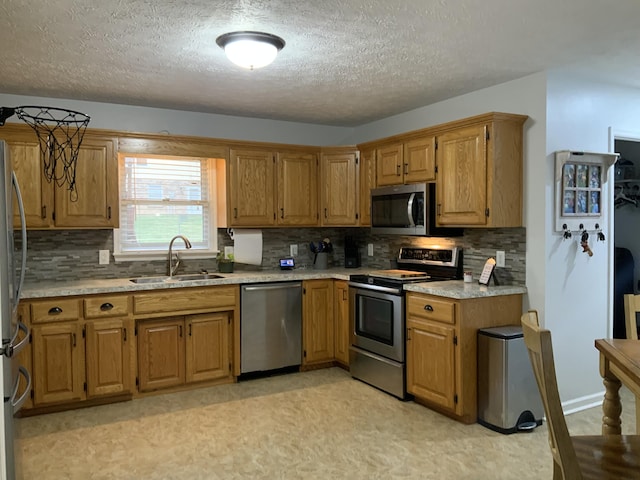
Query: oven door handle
x=412 y=197
x=377 y=288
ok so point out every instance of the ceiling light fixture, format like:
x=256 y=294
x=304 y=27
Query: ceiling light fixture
x=250 y=49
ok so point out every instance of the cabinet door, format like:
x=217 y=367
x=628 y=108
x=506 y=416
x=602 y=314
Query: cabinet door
x=58 y=363
x=339 y=184
x=160 y=353
x=462 y=177
x=37 y=193
x=251 y=188
x=341 y=321
x=420 y=160
x=207 y=347
x=97 y=203
x=297 y=189
x=389 y=166
x=108 y=350
x=367 y=176
x=431 y=362
x=317 y=312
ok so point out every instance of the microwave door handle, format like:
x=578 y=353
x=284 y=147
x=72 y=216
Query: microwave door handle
x=23 y=229
x=412 y=197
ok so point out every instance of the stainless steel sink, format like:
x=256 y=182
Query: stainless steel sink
x=149 y=279
x=196 y=276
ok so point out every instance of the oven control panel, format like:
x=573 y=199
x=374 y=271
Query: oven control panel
x=434 y=256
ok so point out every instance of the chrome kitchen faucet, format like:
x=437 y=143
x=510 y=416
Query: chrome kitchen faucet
x=172 y=268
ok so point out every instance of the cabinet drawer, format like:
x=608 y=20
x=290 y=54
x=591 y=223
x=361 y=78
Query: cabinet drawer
x=107 y=306
x=55 y=310
x=185 y=299
x=431 y=308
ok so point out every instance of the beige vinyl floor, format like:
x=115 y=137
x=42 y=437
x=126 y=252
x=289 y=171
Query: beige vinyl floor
x=314 y=425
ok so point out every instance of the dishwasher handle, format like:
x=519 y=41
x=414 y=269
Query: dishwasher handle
x=278 y=286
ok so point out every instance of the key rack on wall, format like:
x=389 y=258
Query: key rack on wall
x=580 y=200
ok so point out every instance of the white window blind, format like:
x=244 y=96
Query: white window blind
x=164 y=197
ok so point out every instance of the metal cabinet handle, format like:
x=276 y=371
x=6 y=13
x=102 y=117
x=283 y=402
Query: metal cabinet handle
x=124 y=337
x=398 y=169
x=408 y=334
x=43 y=212
x=109 y=213
x=325 y=213
x=406 y=169
x=55 y=311
x=105 y=307
x=428 y=308
x=189 y=329
x=73 y=336
x=282 y=213
x=235 y=213
x=180 y=331
x=438 y=209
x=344 y=294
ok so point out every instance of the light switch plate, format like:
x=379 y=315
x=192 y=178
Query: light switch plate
x=370 y=249
x=103 y=257
x=500 y=258
x=293 y=249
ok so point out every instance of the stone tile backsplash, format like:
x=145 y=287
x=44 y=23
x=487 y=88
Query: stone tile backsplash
x=73 y=254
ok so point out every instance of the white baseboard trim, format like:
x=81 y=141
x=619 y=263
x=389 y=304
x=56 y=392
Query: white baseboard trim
x=583 y=403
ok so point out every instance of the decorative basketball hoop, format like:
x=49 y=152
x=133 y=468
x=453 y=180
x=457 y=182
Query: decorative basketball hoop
x=60 y=133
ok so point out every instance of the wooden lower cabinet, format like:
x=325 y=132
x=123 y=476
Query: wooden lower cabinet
x=317 y=321
x=178 y=350
x=109 y=349
x=341 y=321
x=207 y=347
x=161 y=361
x=58 y=363
x=442 y=352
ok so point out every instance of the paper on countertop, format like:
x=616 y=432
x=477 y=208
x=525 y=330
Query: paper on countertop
x=247 y=245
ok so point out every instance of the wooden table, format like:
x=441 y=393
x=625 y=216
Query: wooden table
x=619 y=363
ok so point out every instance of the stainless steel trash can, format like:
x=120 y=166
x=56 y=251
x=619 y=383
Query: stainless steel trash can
x=508 y=396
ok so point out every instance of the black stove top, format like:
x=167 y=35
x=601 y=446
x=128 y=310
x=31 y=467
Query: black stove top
x=416 y=264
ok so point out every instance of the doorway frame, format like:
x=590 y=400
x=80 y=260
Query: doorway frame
x=630 y=136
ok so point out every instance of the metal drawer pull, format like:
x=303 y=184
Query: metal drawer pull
x=189 y=329
x=73 y=336
x=43 y=215
x=428 y=308
x=105 y=307
x=55 y=311
x=125 y=335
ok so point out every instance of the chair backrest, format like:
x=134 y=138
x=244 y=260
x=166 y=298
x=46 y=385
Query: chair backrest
x=631 y=307
x=538 y=342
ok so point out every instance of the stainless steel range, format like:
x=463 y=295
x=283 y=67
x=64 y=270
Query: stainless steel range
x=377 y=351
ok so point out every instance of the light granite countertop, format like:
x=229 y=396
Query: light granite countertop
x=461 y=290
x=452 y=289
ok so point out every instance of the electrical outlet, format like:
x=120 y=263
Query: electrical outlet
x=500 y=259
x=370 y=249
x=293 y=249
x=103 y=257
x=228 y=251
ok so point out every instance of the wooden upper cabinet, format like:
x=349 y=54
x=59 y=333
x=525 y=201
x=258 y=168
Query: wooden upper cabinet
x=419 y=160
x=367 y=177
x=97 y=203
x=339 y=188
x=251 y=188
x=297 y=189
x=479 y=181
x=48 y=205
x=462 y=187
x=389 y=163
x=37 y=193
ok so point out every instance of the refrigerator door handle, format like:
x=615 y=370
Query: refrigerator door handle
x=17 y=403
x=11 y=348
x=23 y=230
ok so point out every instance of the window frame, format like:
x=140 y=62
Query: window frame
x=161 y=254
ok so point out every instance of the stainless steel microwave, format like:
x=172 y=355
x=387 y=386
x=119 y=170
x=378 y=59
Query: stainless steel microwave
x=407 y=210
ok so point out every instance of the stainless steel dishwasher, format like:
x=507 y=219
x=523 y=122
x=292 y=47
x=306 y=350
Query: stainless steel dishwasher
x=270 y=326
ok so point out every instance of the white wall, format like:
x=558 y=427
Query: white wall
x=158 y=120
x=578 y=293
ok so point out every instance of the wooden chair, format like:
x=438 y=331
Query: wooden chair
x=578 y=457
x=631 y=307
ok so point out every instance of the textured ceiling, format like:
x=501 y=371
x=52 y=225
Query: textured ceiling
x=346 y=62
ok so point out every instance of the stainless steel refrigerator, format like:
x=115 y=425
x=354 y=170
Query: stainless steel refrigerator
x=12 y=269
